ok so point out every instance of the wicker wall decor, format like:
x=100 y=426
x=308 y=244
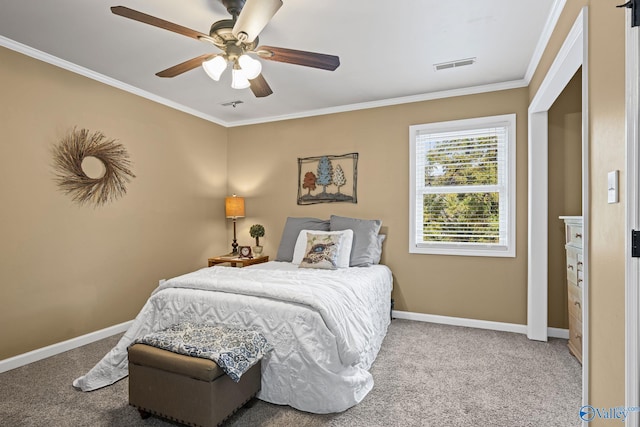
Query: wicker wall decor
x=68 y=155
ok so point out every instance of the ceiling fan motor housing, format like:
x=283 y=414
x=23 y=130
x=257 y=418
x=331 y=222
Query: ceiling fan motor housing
x=233 y=6
x=221 y=33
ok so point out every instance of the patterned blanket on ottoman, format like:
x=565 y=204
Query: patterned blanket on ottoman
x=234 y=350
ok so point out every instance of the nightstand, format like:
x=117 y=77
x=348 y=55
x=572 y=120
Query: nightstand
x=236 y=261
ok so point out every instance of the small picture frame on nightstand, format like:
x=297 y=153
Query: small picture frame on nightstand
x=245 y=251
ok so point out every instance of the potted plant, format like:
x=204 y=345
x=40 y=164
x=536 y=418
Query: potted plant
x=256 y=231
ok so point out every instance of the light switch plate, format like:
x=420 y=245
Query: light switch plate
x=612 y=187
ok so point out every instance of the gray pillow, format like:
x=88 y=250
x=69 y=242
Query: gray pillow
x=378 y=251
x=365 y=248
x=292 y=229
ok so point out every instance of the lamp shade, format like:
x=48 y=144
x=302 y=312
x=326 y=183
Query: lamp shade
x=234 y=207
x=251 y=67
x=214 y=67
x=239 y=79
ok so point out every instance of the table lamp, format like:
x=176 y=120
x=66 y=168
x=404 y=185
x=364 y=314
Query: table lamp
x=234 y=208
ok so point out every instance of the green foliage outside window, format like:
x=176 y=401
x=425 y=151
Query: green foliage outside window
x=466 y=215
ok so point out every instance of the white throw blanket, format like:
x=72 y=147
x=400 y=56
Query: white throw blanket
x=326 y=327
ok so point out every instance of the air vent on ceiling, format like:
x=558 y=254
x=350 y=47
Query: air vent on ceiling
x=232 y=103
x=454 y=64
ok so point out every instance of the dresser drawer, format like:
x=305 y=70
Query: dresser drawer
x=579 y=278
x=572 y=264
x=575 y=301
x=573 y=234
x=579 y=269
x=575 y=337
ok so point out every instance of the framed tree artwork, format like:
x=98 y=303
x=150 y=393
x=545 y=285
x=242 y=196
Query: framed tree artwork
x=327 y=179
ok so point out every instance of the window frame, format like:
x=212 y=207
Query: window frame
x=465 y=249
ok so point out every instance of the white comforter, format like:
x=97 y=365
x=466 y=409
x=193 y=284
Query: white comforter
x=326 y=327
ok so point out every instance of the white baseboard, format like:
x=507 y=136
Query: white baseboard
x=558 y=333
x=61 y=347
x=474 y=323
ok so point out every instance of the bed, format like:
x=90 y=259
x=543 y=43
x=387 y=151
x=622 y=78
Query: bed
x=325 y=322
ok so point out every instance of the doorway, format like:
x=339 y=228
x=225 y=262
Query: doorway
x=572 y=57
x=565 y=200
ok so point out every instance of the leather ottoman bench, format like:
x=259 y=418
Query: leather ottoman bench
x=189 y=390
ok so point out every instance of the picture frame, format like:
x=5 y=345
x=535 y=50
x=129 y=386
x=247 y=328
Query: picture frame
x=328 y=179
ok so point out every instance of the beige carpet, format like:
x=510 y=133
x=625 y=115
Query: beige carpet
x=425 y=375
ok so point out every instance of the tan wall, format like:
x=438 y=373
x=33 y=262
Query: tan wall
x=69 y=270
x=263 y=168
x=565 y=190
x=606 y=230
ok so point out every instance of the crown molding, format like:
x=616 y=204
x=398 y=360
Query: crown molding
x=543 y=41
x=69 y=66
x=494 y=87
x=61 y=63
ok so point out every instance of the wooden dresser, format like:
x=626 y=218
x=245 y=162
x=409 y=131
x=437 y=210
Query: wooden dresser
x=575 y=264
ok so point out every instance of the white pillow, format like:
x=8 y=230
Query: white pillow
x=344 y=252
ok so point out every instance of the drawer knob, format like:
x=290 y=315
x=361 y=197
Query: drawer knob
x=578 y=235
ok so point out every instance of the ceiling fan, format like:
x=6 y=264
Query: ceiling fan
x=237 y=38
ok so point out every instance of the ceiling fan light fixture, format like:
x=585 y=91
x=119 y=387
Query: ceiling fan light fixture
x=251 y=67
x=239 y=79
x=215 y=67
x=235 y=37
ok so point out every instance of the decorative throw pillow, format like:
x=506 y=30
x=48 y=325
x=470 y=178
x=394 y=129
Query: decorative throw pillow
x=377 y=254
x=321 y=251
x=344 y=251
x=365 y=238
x=292 y=228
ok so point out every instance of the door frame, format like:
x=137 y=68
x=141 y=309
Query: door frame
x=632 y=265
x=572 y=55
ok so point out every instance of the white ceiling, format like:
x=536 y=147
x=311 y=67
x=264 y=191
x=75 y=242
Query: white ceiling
x=387 y=50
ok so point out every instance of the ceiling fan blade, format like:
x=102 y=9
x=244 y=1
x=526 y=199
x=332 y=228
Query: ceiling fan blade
x=185 y=66
x=299 y=57
x=255 y=15
x=160 y=23
x=260 y=87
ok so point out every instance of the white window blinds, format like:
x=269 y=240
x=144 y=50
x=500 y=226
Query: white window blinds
x=461 y=184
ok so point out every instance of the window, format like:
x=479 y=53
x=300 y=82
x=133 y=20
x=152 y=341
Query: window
x=462 y=199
